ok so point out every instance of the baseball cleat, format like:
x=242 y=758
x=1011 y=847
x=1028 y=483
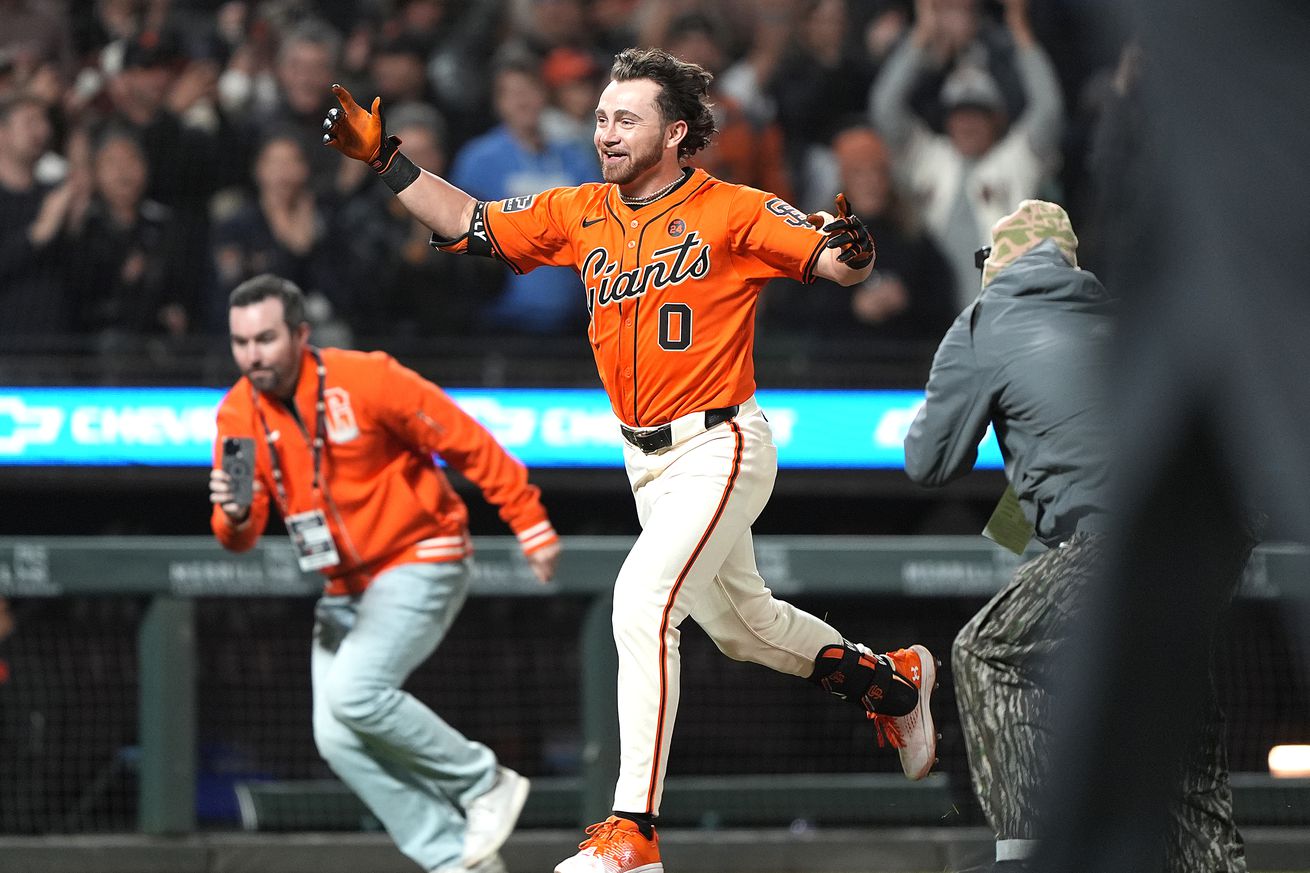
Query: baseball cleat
x=615 y=845
x=913 y=734
x=490 y=816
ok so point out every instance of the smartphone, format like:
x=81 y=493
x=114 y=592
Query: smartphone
x=239 y=464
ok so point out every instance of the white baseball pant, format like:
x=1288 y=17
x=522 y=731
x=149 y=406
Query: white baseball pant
x=696 y=502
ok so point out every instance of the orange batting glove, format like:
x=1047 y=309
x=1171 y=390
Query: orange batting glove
x=846 y=232
x=358 y=133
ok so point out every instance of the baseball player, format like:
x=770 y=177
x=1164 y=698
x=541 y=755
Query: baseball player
x=673 y=260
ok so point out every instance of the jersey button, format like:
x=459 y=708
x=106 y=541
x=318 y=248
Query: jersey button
x=628 y=322
x=627 y=373
x=634 y=222
x=632 y=244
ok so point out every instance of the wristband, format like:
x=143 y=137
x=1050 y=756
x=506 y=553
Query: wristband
x=399 y=173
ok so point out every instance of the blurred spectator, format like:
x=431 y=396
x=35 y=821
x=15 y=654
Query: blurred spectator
x=130 y=278
x=883 y=24
x=461 y=40
x=285 y=231
x=34 y=217
x=306 y=66
x=965 y=180
x=398 y=70
x=143 y=96
x=961 y=34
x=32 y=36
x=746 y=80
x=744 y=150
x=103 y=23
x=515 y=160
x=823 y=76
x=541 y=25
x=611 y=24
x=415 y=291
x=422 y=18
x=908 y=295
x=573 y=78
x=248 y=86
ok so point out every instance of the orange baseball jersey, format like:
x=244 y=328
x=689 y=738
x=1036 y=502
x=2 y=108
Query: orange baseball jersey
x=385 y=499
x=671 y=286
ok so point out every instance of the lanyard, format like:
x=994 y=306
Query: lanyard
x=320 y=433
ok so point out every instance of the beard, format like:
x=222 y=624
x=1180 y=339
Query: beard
x=628 y=171
x=265 y=379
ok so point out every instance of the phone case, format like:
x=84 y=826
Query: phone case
x=239 y=464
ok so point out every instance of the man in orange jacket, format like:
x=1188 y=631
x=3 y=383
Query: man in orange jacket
x=343 y=444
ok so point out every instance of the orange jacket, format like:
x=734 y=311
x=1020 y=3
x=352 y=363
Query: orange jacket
x=385 y=499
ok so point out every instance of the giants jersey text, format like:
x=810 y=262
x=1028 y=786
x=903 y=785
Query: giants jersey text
x=671 y=287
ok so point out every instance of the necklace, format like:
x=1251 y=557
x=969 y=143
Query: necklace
x=651 y=198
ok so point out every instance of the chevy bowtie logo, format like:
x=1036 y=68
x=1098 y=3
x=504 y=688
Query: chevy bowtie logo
x=21 y=424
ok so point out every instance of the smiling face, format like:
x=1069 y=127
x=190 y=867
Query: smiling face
x=634 y=143
x=266 y=349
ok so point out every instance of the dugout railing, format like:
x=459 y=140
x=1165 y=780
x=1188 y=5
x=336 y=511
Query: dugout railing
x=173 y=574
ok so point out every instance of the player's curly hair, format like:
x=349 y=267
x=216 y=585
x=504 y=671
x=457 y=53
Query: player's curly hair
x=684 y=91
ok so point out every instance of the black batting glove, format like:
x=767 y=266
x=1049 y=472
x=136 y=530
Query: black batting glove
x=848 y=233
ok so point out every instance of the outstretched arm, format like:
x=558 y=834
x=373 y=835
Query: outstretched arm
x=361 y=134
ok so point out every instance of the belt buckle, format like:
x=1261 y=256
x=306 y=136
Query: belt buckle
x=649 y=441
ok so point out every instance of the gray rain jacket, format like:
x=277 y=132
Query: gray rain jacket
x=1029 y=357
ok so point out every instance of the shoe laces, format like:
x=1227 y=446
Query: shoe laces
x=599 y=833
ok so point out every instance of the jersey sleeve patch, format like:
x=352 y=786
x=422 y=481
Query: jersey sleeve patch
x=516 y=204
x=787 y=212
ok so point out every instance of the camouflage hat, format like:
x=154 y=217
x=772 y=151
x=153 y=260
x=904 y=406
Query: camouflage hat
x=1021 y=230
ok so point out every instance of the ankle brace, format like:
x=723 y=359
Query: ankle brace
x=865 y=679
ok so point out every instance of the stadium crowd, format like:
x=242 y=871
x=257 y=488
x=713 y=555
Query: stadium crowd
x=154 y=154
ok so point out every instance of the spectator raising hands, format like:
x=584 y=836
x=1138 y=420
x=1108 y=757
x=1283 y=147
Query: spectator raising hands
x=964 y=180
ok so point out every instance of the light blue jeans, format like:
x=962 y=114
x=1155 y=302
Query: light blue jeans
x=414 y=771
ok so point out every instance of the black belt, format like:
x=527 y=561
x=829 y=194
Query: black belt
x=662 y=437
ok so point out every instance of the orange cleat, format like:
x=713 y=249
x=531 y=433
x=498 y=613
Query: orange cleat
x=615 y=845
x=912 y=734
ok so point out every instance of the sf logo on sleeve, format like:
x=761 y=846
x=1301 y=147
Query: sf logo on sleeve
x=785 y=210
